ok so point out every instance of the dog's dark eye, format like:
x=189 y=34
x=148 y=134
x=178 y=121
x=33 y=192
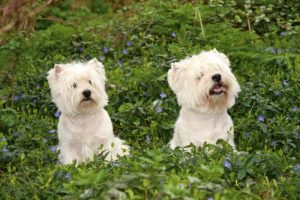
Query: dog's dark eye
x=90 y=82
x=74 y=85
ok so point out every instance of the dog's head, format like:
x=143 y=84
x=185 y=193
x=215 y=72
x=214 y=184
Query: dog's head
x=204 y=82
x=78 y=87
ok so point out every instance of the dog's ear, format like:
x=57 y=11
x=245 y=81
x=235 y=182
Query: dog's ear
x=222 y=56
x=99 y=67
x=175 y=76
x=95 y=63
x=58 y=68
x=175 y=66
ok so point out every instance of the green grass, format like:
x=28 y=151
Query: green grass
x=266 y=115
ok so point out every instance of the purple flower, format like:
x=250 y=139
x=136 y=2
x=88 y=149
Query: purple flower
x=285 y=82
x=125 y=51
x=4 y=149
x=52 y=131
x=148 y=139
x=120 y=63
x=53 y=149
x=158 y=109
x=173 y=35
x=273 y=143
x=129 y=43
x=45 y=140
x=295 y=109
x=247 y=135
x=163 y=95
x=210 y=198
x=81 y=49
x=68 y=176
x=17 y=98
x=282 y=34
x=101 y=58
x=277 y=93
x=271 y=49
x=105 y=49
x=227 y=164
x=88 y=57
x=57 y=114
x=297 y=168
x=261 y=118
x=34 y=100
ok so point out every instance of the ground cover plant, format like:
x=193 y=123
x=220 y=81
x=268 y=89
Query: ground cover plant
x=136 y=44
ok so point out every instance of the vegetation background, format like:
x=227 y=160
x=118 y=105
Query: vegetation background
x=137 y=41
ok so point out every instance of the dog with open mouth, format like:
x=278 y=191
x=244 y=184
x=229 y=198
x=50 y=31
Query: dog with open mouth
x=205 y=88
x=84 y=128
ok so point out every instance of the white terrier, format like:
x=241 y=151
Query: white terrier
x=205 y=88
x=84 y=128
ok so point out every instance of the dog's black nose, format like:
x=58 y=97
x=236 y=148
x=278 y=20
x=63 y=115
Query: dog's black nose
x=87 y=93
x=216 y=77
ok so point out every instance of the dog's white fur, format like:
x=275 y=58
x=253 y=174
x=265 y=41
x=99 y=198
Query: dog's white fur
x=204 y=102
x=84 y=127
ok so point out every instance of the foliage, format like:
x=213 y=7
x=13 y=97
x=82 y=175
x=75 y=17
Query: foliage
x=137 y=45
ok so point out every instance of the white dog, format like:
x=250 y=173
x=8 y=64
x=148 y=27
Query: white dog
x=84 y=128
x=205 y=88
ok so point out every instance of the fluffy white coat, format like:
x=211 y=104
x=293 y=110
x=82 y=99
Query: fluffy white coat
x=84 y=127
x=205 y=89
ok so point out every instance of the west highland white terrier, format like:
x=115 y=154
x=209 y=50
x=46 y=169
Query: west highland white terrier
x=84 y=128
x=205 y=89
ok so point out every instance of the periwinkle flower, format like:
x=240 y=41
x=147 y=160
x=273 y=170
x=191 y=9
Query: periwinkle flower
x=158 y=109
x=285 y=82
x=282 y=34
x=297 y=168
x=148 y=139
x=34 y=100
x=227 y=164
x=173 y=35
x=4 y=149
x=247 y=135
x=261 y=118
x=53 y=149
x=210 y=198
x=120 y=63
x=163 y=95
x=17 y=98
x=101 y=58
x=68 y=176
x=295 y=109
x=57 y=114
x=105 y=50
x=129 y=43
x=52 y=131
x=45 y=140
x=125 y=51
x=273 y=143
x=81 y=49
x=277 y=93
x=271 y=49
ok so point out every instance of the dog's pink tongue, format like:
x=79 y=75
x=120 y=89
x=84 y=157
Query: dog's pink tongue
x=217 y=86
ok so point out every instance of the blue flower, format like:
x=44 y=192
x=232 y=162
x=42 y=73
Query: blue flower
x=57 y=114
x=158 y=109
x=81 y=49
x=271 y=49
x=247 y=135
x=129 y=43
x=282 y=34
x=101 y=58
x=68 y=176
x=297 y=168
x=88 y=57
x=52 y=131
x=210 y=198
x=295 y=109
x=17 y=98
x=163 y=95
x=120 y=63
x=261 y=118
x=273 y=143
x=173 y=35
x=125 y=51
x=277 y=93
x=227 y=164
x=106 y=50
x=285 y=82
x=53 y=149
x=148 y=139
x=4 y=149
x=34 y=100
